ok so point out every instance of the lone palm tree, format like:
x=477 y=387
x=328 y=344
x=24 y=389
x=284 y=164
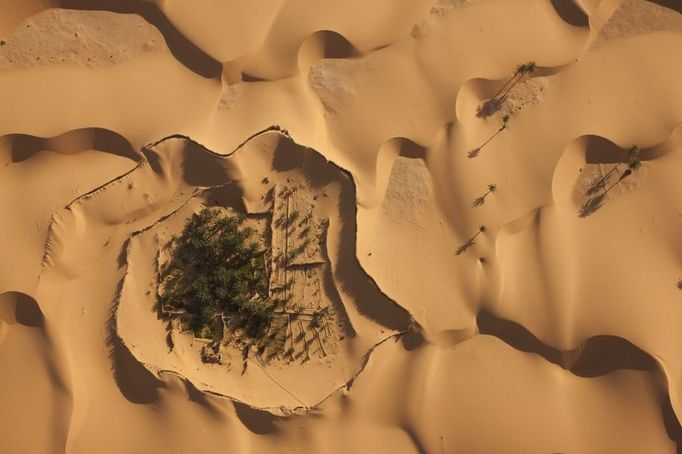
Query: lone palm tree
x=481 y=200
x=474 y=152
x=634 y=163
x=471 y=241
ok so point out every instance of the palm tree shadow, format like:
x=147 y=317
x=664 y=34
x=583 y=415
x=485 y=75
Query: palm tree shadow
x=598 y=184
x=478 y=201
x=490 y=107
x=591 y=205
x=594 y=203
x=473 y=153
x=463 y=248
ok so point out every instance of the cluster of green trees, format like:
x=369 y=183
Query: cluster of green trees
x=215 y=268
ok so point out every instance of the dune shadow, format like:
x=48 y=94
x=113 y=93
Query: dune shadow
x=324 y=44
x=317 y=171
x=413 y=338
x=136 y=383
x=671 y=423
x=599 y=150
x=336 y=45
x=184 y=50
x=604 y=354
x=259 y=422
x=517 y=337
x=674 y=5
x=196 y=396
x=599 y=355
x=24 y=146
x=411 y=149
x=202 y=167
x=20 y=308
x=362 y=288
x=571 y=13
x=352 y=278
x=229 y=195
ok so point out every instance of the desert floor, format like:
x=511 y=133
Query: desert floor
x=498 y=248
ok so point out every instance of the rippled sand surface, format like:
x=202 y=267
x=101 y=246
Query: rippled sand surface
x=504 y=273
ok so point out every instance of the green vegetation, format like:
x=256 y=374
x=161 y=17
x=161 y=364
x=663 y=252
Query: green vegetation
x=216 y=269
x=634 y=162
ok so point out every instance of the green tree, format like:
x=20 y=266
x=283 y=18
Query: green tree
x=215 y=268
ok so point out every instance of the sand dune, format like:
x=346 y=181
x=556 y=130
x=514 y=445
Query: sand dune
x=495 y=272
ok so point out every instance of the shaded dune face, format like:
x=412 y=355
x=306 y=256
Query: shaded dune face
x=47 y=409
x=19 y=308
x=599 y=355
x=22 y=147
x=182 y=48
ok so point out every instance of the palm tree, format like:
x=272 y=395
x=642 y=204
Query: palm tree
x=481 y=200
x=505 y=123
x=521 y=71
x=511 y=80
x=595 y=202
x=471 y=241
x=494 y=103
x=634 y=163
